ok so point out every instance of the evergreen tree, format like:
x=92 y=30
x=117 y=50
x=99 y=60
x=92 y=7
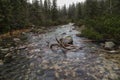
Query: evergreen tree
x=78 y=11
x=54 y=10
x=91 y=8
x=71 y=12
x=5 y=15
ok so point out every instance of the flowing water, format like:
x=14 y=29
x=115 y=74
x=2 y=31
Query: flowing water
x=33 y=60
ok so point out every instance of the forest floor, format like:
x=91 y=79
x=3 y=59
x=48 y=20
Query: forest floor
x=14 y=33
x=32 y=59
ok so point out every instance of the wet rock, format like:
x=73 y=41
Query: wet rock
x=16 y=39
x=80 y=72
x=49 y=73
x=78 y=35
x=23 y=33
x=8 y=58
x=40 y=30
x=22 y=47
x=56 y=67
x=64 y=33
x=57 y=75
x=49 y=78
x=45 y=62
x=4 y=50
x=118 y=47
x=32 y=65
x=73 y=28
x=109 y=45
x=102 y=45
x=1 y=62
x=68 y=40
x=74 y=74
x=8 y=55
x=45 y=66
x=113 y=52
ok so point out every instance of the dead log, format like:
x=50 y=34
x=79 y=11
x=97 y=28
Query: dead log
x=52 y=45
x=99 y=41
x=66 y=46
x=61 y=44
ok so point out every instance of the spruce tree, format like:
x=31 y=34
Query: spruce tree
x=54 y=11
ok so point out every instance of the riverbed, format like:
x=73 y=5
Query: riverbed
x=34 y=60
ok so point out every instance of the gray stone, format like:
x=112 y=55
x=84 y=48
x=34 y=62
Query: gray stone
x=78 y=35
x=1 y=62
x=109 y=45
x=23 y=33
x=4 y=50
x=8 y=58
x=102 y=45
x=8 y=55
x=113 y=52
x=68 y=40
x=16 y=39
x=22 y=47
x=119 y=47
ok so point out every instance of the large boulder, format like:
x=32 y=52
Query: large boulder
x=68 y=40
x=109 y=45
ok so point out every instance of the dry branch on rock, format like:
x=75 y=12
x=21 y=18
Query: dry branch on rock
x=64 y=45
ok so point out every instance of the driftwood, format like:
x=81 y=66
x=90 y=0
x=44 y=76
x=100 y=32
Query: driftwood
x=65 y=46
x=100 y=41
x=61 y=44
x=112 y=51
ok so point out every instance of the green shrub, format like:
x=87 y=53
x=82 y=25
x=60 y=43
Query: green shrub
x=92 y=34
x=105 y=27
x=79 y=23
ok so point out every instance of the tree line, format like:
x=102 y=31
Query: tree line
x=101 y=17
x=17 y=14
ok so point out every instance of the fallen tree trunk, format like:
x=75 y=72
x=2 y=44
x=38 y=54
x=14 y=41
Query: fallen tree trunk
x=67 y=46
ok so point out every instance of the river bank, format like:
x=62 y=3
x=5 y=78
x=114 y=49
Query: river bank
x=32 y=59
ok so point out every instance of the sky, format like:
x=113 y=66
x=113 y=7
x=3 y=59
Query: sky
x=67 y=2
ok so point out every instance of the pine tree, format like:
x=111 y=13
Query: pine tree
x=91 y=8
x=6 y=15
x=71 y=12
x=35 y=13
x=54 y=11
x=78 y=11
x=116 y=7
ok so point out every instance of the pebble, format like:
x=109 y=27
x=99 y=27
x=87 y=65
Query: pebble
x=98 y=61
x=5 y=50
x=56 y=67
x=1 y=62
x=45 y=66
x=45 y=62
x=74 y=74
x=57 y=75
x=16 y=39
x=32 y=65
x=64 y=62
x=8 y=55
